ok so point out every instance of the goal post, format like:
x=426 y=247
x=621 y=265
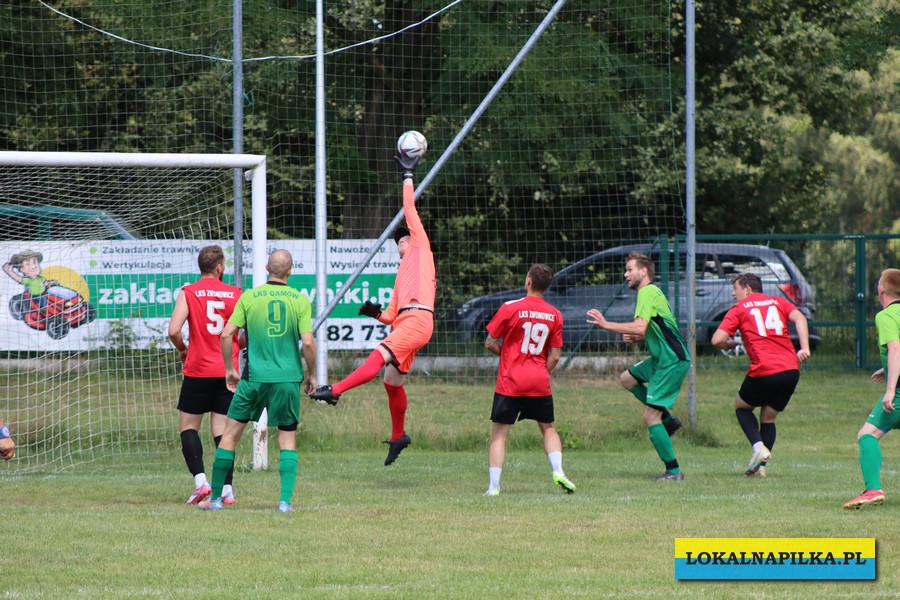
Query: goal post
x=86 y=366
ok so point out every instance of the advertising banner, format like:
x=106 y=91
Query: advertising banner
x=78 y=296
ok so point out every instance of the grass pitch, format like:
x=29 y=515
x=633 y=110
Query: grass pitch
x=422 y=529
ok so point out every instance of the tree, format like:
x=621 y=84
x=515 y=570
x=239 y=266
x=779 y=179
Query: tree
x=777 y=84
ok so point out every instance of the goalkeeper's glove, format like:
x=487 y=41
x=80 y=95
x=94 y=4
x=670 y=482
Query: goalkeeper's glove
x=370 y=309
x=407 y=165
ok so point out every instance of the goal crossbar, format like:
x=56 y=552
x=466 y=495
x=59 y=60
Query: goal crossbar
x=129 y=159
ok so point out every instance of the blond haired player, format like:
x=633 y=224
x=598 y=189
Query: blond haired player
x=885 y=415
x=656 y=381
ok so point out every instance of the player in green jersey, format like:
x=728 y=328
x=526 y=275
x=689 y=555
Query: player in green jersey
x=278 y=320
x=657 y=380
x=885 y=415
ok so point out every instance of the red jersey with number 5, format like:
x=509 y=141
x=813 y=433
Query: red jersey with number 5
x=529 y=327
x=210 y=303
x=763 y=323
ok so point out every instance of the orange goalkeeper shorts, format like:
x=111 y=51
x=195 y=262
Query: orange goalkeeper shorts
x=411 y=331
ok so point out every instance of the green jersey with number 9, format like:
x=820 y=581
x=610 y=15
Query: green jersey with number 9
x=274 y=315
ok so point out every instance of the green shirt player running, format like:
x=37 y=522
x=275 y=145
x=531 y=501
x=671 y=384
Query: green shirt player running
x=885 y=415
x=656 y=381
x=277 y=319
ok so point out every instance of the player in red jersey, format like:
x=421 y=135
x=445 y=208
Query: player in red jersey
x=206 y=306
x=774 y=366
x=531 y=334
x=411 y=312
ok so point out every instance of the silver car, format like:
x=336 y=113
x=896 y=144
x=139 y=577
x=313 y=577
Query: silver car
x=598 y=282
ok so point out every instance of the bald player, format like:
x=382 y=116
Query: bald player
x=278 y=322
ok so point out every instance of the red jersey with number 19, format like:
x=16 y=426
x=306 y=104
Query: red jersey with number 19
x=529 y=327
x=763 y=322
x=210 y=303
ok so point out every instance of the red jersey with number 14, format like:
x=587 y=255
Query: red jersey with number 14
x=763 y=322
x=210 y=303
x=529 y=327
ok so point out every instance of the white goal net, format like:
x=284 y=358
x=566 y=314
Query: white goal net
x=94 y=249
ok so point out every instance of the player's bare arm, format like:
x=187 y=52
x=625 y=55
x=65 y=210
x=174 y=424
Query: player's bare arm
x=878 y=376
x=492 y=345
x=636 y=327
x=308 y=341
x=796 y=317
x=553 y=358
x=723 y=341
x=232 y=377
x=176 y=323
x=890 y=377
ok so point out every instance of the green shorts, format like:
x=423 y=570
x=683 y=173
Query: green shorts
x=883 y=420
x=663 y=383
x=282 y=400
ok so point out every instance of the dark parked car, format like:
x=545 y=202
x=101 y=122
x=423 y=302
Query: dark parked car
x=598 y=282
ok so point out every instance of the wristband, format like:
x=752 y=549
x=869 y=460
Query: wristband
x=4 y=432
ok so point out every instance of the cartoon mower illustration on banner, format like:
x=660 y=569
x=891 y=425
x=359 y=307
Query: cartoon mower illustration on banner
x=45 y=304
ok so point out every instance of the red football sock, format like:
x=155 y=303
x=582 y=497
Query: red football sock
x=365 y=373
x=397 y=403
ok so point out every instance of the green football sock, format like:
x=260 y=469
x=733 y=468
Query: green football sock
x=640 y=392
x=222 y=463
x=870 y=461
x=663 y=445
x=287 y=467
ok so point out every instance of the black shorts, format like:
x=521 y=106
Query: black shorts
x=772 y=390
x=507 y=409
x=201 y=395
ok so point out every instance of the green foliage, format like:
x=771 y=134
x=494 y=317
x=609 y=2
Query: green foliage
x=797 y=119
x=120 y=335
x=786 y=94
x=569 y=440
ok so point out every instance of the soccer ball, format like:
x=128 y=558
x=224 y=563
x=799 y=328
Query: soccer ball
x=412 y=144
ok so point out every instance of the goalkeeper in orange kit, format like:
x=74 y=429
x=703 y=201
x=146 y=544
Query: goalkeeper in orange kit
x=411 y=312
